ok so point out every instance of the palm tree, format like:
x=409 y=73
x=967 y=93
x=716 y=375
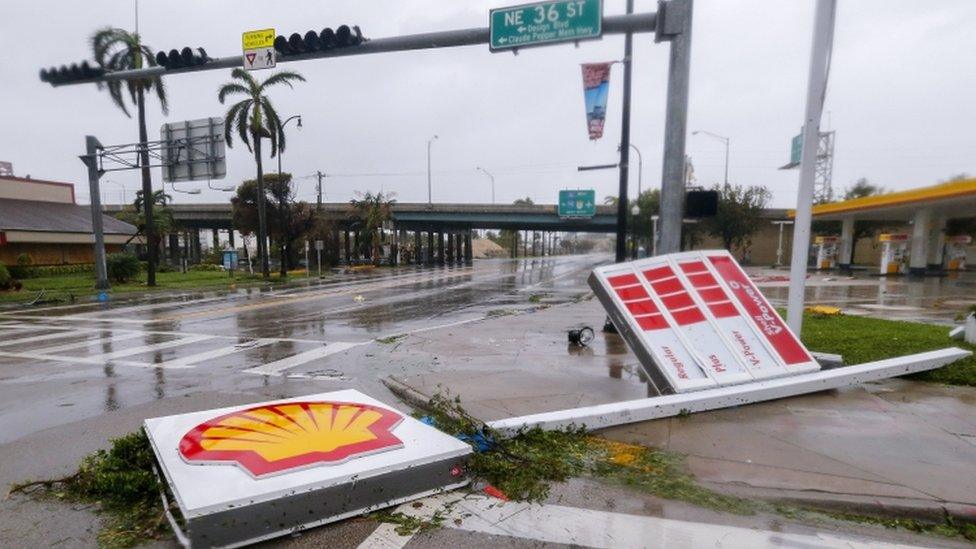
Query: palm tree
x=162 y=216
x=255 y=118
x=372 y=210
x=115 y=50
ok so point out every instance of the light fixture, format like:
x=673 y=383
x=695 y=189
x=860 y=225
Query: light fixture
x=581 y=336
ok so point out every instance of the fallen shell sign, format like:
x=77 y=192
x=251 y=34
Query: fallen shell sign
x=697 y=320
x=276 y=438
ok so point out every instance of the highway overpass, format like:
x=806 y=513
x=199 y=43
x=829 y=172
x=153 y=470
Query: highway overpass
x=423 y=217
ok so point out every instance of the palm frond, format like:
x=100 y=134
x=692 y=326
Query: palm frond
x=274 y=126
x=245 y=76
x=283 y=77
x=229 y=120
x=231 y=88
x=242 y=126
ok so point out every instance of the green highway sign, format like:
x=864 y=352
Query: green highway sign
x=577 y=203
x=796 y=149
x=545 y=23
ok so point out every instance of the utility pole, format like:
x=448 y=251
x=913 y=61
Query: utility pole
x=318 y=192
x=621 y=254
x=91 y=161
x=820 y=53
x=674 y=25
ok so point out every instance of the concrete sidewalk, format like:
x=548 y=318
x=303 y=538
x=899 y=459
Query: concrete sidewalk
x=897 y=447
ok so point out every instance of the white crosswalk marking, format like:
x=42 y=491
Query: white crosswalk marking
x=150 y=348
x=189 y=361
x=278 y=366
x=88 y=342
x=45 y=337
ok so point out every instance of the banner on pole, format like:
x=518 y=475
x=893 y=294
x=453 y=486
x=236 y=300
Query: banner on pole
x=596 y=88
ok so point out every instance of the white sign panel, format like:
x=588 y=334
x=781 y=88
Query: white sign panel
x=193 y=150
x=696 y=320
x=301 y=461
x=261 y=58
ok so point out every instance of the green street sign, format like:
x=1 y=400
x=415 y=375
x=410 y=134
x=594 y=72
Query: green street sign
x=545 y=23
x=796 y=149
x=577 y=203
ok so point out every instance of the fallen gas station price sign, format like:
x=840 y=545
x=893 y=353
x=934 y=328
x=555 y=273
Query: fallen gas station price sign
x=244 y=474
x=695 y=321
x=707 y=339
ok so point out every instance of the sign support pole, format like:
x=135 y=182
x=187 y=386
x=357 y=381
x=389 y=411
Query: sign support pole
x=91 y=160
x=624 y=146
x=674 y=25
x=823 y=38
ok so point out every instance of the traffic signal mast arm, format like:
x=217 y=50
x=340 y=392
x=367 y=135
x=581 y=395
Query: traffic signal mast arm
x=615 y=24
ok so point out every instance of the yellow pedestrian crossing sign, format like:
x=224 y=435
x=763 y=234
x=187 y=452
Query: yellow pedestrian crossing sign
x=259 y=52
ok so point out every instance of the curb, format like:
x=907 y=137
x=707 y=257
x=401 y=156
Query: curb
x=922 y=510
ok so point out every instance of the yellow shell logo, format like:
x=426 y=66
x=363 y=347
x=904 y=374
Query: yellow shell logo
x=274 y=438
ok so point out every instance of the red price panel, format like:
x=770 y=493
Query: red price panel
x=692 y=323
x=624 y=290
x=765 y=320
x=735 y=328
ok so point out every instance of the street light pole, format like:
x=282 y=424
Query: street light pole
x=621 y=251
x=723 y=139
x=640 y=169
x=430 y=201
x=283 y=124
x=121 y=204
x=484 y=171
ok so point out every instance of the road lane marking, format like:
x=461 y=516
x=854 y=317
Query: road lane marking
x=76 y=318
x=591 y=528
x=278 y=366
x=106 y=358
x=191 y=360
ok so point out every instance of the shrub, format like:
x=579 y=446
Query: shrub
x=5 y=277
x=206 y=267
x=24 y=268
x=122 y=267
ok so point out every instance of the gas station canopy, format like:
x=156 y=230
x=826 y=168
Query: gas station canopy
x=949 y=200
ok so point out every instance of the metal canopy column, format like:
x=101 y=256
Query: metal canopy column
x=920 y=241
x=846 y=243
x=936 y=243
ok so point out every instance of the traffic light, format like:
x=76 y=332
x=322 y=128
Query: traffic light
x=178 y=59
x=295 y=44
x=70 y=73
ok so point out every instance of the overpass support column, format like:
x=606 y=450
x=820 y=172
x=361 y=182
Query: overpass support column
x=195 y=241
x=921 y=226
x=394 y=245
x=440 y=248
x=418 y=248
x=216 y=239
x=429 y=257
x=174 y=248
x=936 y=244
x=846 y=243
x=230 y=238
x=468 y=250
x=460 y=241
x=345 y=245
x=450 y=246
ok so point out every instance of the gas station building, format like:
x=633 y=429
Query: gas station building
x=923 y=213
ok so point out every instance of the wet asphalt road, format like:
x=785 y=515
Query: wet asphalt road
x=79 y=361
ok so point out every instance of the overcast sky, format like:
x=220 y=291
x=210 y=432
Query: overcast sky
x=900 y=96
